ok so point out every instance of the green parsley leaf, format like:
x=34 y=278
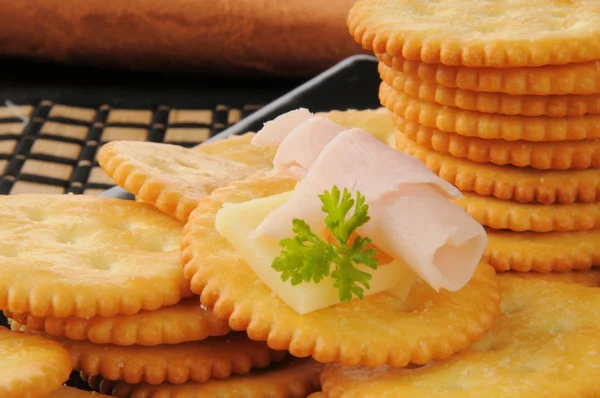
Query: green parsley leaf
x=307 y=258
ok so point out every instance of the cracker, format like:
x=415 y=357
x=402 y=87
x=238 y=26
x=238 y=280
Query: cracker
x=32 y=366
x=170 y=177
x=239 y=149
x=589 y=278
x=378 y=122
x=490 y=102
x=580 y=78
x=487 y=125
x=564 y=155
x=504 y=214
x=214 y=357
x=543 y=251
x=508 y=33
x=525 y=185
x=68 y=392
x=544 y=343
x=293 y=379
x=67 y=255
x=179 y=323
x=364 y=331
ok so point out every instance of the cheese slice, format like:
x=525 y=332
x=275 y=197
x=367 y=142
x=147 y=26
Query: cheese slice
x=236 y=221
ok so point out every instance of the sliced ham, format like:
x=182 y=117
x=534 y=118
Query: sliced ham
x=275 y=131
x=301 y=147
x=411 y=216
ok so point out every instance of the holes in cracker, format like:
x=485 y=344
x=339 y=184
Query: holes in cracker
x=100 y=262
x=35 y=213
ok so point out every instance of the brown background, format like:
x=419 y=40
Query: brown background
x=282 y=37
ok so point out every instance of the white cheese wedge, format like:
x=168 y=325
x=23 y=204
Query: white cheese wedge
x=236 y=221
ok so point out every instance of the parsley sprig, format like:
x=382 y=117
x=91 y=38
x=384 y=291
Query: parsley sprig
x=308 y=258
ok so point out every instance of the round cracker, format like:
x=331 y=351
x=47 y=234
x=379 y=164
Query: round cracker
x=240 y=149
x=566 y=155
x=378 y=122
x=486 y=102
x=589 y=278
x=363 y=331
x=505 y=214
x=543 y=251
x=212 y=358
x=170 y=177
x=524 y=185
x=32 y=366
x=68 y=392
x=66 y=255
x=185 y=321
x=473 y=33
x=544 y=343
x=293 y=379
x=580 y=78
x=488 y=125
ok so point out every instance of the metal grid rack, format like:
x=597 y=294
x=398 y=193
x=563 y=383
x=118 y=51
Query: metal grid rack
x=51 y=147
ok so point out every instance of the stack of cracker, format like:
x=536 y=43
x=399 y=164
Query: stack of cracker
x=501 y=99
x=96 y=285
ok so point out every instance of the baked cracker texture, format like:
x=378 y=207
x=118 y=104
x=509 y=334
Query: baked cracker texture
x=589 y=278
x=524 y=185
x=488 y=125
x=536 y=217
x=474 y=33
x=238 y=148
x=544 y=343
x=578 y=79
x=212 y=358
x=32 y=366
x=296 y=378
x=542 y=251
x=490 y=102
x=67 y=255
x=69 y=392
x=170 y=177
x=182 y=322
x=360 y=332
x=565 y=155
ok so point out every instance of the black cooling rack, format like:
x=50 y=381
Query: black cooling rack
x=51 y=147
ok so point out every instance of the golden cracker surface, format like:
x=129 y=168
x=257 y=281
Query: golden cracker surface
x=67 y=255
x=32 y=366
x=378 y=122
x=563 y=155
x=490 y=102
x=360 y=332
x=543 y=251
x=505 y=214
x=579 y=79
x=212 y=358
x=239 y=149
x=178 y=323
x=544 y=343
x=294 y=379
x=69 y=392
x=474 y=33
x=589 y=278
x=170 y=177
x=488 y=125
x=525 y=185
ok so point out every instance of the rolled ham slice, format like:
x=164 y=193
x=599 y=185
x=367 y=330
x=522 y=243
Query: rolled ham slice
x=412 y=218
x=275 y=131
x=301 y=147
